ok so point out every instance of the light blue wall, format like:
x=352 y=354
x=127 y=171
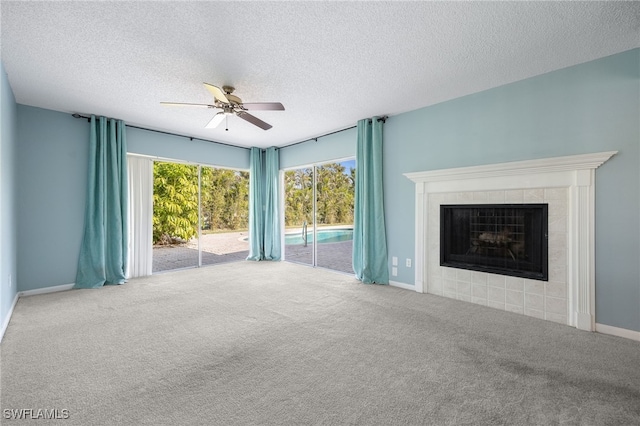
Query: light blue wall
x=180 y=148
x=587 y=108
x=333 y=147
x=51 y=180
x=8 y=236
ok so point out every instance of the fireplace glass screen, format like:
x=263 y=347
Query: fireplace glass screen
x=507 y=239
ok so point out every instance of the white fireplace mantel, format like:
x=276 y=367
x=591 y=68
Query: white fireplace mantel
x=575 y=172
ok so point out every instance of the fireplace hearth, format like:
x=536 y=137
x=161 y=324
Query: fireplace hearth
x=506 y=239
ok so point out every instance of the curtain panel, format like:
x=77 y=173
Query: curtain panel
x=272 y=249
x=140 y=250
x=103 y=252
x=370 y=262
x=264 y=205
x=256 y=217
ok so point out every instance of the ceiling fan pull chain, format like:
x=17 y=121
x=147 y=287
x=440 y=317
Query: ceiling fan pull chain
x=226 y=117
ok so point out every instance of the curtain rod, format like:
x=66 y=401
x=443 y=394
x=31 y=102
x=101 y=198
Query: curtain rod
x=76 y=115
x=383 y=119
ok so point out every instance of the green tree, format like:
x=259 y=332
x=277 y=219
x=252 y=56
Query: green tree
x=335 y=192
x=225 y=199
x=175 y=202
x=335 y=195
x=299 y=197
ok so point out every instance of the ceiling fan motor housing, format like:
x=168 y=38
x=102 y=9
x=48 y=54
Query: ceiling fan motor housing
x=233 y=99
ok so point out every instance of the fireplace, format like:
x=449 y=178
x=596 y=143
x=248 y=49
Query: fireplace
x=506 y=239
x=566 y=185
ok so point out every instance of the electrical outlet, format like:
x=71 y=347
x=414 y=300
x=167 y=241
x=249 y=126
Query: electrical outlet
x=10 y=281
x=394 y=261
x=408 y=263
x=394 y=271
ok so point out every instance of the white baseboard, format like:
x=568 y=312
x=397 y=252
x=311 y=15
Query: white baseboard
x=620 y=332
x=20 y=294
x=600 y=328
x=402 y=285
x=5 y=324
x=54 y=289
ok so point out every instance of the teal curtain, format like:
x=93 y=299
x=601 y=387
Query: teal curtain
x=103 y=252
x=369 y=239
x=272 y=248
x=256 y=218
x=264 y=215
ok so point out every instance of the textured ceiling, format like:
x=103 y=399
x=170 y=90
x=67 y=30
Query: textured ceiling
x=329 y=63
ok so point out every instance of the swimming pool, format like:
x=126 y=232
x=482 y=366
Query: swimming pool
x=324 y=236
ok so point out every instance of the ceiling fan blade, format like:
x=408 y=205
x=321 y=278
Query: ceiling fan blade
x=217 y=119
x=180 y=104
x=254 y=120
x=217 y=93
x=263 y=106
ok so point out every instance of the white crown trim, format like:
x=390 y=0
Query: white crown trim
x=544 y=165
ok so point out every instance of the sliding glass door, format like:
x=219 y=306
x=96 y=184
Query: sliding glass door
x=200 y=215
x=335 y=190
x=224 y=213
x=175 y=216
x=319 y=215
x=299 y=194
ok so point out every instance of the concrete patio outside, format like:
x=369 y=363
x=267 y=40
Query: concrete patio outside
x=233 y=247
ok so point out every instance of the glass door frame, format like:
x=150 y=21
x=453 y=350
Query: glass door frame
x=283 y=196
x=200 y=166
x=283 y=206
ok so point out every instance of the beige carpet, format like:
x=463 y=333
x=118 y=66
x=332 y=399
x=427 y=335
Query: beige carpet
x=278 y=343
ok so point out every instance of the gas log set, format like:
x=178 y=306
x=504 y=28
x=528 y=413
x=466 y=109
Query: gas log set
x=507 y=239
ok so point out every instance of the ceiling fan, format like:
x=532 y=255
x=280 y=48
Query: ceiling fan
x=231 y=104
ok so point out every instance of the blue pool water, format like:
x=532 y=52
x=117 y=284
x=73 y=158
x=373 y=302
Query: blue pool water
x=324 y=236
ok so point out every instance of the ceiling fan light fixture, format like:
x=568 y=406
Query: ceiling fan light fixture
x=215 y=121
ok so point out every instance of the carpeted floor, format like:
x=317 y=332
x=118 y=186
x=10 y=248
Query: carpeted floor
x=279 y=343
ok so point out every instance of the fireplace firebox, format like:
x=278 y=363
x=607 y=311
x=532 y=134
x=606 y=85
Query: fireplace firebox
x=506 y=239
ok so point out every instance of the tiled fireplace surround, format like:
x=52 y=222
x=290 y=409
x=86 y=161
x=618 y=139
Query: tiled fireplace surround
x=566 y=184
x=546 y=300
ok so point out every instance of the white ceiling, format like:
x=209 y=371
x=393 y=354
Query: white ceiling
x=329 y=63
